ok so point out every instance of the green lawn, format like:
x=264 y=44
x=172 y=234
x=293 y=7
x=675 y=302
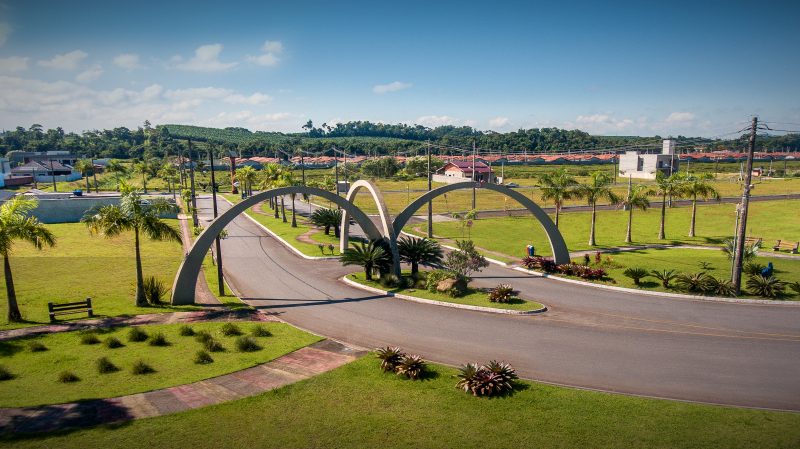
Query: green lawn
x=359 y=406
x=474 y=297
x=36 y=372
x=82 y=265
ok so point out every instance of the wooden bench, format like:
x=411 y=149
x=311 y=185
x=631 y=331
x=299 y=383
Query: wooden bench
x=783 y=245
x=752 y=240
x=70 y=308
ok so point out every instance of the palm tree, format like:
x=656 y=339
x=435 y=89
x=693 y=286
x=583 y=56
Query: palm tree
x=145 y=168
x=557 y=186
x=133 y=214
x=117 y=170
x=169 y=173
x=270 y=174
x=368 y=255
x=419 y=251
x=16 y=224
x=666 y=186
x=247 y=176
x=598 y=188
x=327 y=218
x=697 y=186
x=84 y=166
x=636 y=198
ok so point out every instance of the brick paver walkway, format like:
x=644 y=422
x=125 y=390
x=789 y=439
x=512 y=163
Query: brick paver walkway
x=301 y=364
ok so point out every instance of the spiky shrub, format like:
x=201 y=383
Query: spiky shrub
x=769 y=287
x=36 y=346
x=203 y=358
x=411 y=366
x=539 y=263
x=137 y=335
x=105 y=366
x=139 y=367
x=390 y=357
x=795 y=286
x=66 y=377
x=467 y=374
x=230 y=330
x=186 y=331
x=665 y=276
x=5 y=374
x=260 y=331
x=154 y=290
x=247 y=344
x=159 y=340
x=753 y=268
x=113 y=343
x=636 y=273
x=203 y=336
x=390 y=280
x=492 y=379
x=89 y=339
x=212 y=345
x=694 y=282
x=503 y=293
x=721 y=287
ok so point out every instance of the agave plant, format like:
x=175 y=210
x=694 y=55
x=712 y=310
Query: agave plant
x=721 y=287
x=492 y=379
x=795 y=286
x=750 y=251
x=390 y=357
x=411 y=366
x=636 y=273
x=154 y=290
x=665 y=276
x=466 y=377
x=766 y=287
x=694 y=282
x=503 y=293
x=753 y=268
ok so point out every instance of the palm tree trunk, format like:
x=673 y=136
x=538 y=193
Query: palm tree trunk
x=414 y=267
x=591 y=231
x=275 y=207
x=558 y=209
x=630 y=223
x=661 y=235
x=368 y=271
x=140 y=299
x=283 y=210
x=13 y=308
x=144 y=182
x=88 y=189
x=694 y=215
x=294 y=217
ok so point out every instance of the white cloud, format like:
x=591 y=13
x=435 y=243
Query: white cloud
x=391 y=87
x=66 y=61
x=256 y=122
x=205 y=59
x=269 y=56
x=254 y=99
x=127 y=61
x=432 y=121
x=680 y=117
x=606 y=124
x=5 y=30
x=498 y=122
x=13 y=64
x=89 y=75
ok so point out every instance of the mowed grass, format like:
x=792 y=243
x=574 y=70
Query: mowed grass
x=82 y=265
x=771 y=220
x=475 y=297
x=36 y=373
x=359 y=406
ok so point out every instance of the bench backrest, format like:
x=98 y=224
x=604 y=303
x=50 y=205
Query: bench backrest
x=53 y=307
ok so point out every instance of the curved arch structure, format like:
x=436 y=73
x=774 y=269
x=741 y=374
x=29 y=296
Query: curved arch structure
x=557 y=244
x=183 y=288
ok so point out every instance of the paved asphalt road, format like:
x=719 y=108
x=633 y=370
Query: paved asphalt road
x=746 y=355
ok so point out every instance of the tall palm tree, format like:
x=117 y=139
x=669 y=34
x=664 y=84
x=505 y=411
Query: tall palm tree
x=636 y=198
x=169 y=173
x=419 y=251
x=247 y=176
x=16 y=224
x=368 y=255
x=557 y=186
x=133 y=214
x=598 y=188
x=84 y=166
x=117 y=171
x=269 y=175
x=666 y=186
x=146 y=169
x=694 y=186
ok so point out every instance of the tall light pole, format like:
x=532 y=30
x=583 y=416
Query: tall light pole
x=220 y=280
x=191 y=179
x=473 y=175
x=738 y=257
x=430 y=203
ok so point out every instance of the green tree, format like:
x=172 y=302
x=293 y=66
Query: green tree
x=169 y=173
x=369 y=255
x=598 y=188
x=139 y=216
x=247 y=176
x=635 y=198
x=86 y=167
x=666 y=186
x=694 y=186
x=418 y=166
x=17 y=224
x=145 y=168
x=416 y=251
x=327 y=218
x=557 y=186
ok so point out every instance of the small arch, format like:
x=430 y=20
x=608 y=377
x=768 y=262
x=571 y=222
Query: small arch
x=183 y=288
x=383 y=213
x=557 y=244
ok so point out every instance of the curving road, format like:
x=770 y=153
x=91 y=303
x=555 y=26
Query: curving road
x=734 y=354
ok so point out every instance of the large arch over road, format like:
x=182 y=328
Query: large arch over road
x=557 y=244
x=183 y=288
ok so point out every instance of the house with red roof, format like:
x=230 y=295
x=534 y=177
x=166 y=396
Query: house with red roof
x=461 y=171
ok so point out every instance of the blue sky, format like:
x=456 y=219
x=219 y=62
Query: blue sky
x=690 y=68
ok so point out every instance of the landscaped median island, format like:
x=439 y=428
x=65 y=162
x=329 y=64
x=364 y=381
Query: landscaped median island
x=108 y=362
x=358 y=405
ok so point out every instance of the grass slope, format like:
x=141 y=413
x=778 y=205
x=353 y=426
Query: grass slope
x=358 y=406
x=36 y=372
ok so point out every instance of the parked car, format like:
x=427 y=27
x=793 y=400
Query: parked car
x=512 y=185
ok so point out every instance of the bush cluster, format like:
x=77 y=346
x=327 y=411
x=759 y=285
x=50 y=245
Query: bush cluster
x=230 y=330
x=492 y=379
x=503 y=293
x=260 y=331
x=137 y=335
x=247 y=344
x=35 y=346
x=570 y=269
x=393 y=359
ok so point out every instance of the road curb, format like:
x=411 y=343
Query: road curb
x=661 y=294
x=355 y=284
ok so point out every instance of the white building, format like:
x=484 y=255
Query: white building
x=645 y=166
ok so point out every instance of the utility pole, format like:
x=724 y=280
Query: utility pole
x=430 y=203
x=473 y=175
x=191 y=178
x=220 y=279
x=336 y=169
x=738 y=258
x=94 y=176
x=53 y=173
